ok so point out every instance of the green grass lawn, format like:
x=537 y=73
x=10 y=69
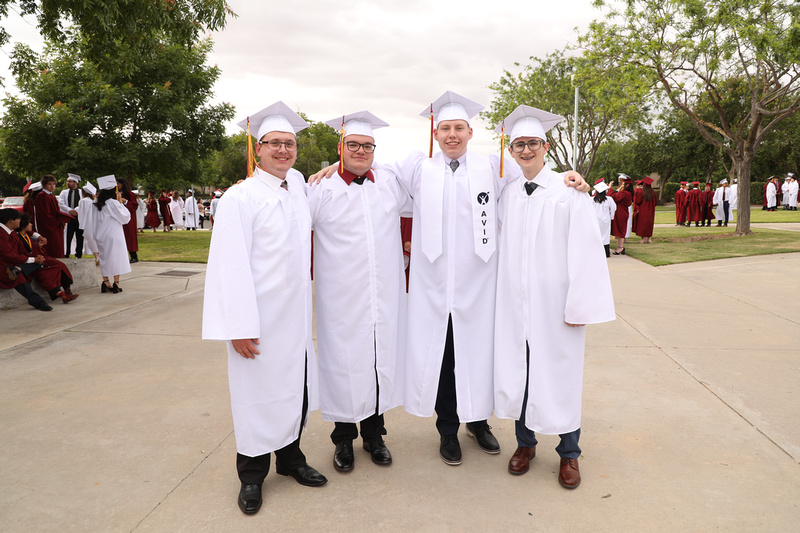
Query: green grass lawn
x=686 y=245
x=175 y=246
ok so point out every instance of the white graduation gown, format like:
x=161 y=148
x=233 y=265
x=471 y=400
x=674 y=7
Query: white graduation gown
x=552 y=270
x=190 y=209
x=258 y=285
x=719 y=211
x=458 y=282
x=141 y=211
x=110 y=238
x=176 y=209
x=793 y=188
x=772 y=195
x=86 y=215
x=360 y=295
x=604 y=211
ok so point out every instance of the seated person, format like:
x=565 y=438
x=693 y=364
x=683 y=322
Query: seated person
x=14 y=264
x=53 y=276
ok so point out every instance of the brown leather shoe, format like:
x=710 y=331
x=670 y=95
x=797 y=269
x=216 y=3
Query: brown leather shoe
x=569 y=475
x=520 y=462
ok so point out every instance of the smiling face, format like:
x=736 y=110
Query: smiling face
x=530 y=161
x=276 y=162
x=453 y=136
x=357 y=162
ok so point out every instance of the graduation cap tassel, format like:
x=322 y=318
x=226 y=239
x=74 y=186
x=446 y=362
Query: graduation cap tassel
x=251 y=156
x=341 y=149
x=430 y=148
x=502 y=145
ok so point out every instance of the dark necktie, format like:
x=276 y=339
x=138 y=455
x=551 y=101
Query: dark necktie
x=284 y=185
x=359 y=180
x=454 y=165
x=530 y=187
x=723 y=194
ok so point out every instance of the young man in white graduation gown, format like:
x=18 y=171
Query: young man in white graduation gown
x=722 y=201
x=552 y=280
x=191 y=220
x=451 y=293
x=68 y=201
x=359 y=292
x=258 y=300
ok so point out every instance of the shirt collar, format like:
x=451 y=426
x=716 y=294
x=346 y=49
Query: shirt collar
x=274 y=182
x=8 y=230
x=348 y=176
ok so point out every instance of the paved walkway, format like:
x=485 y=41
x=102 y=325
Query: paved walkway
x=116 y=417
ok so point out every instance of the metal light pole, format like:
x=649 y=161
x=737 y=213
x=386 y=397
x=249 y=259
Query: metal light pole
x=575 y=127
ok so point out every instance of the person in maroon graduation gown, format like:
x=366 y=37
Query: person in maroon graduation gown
x=53 y=276
x=131 y=240
x=693 y=205
x=680 y=204
x=637 y=199
x=48 y=219
x=163 y=206
x=14 y=265
x=151 y=218
x=623 y=197
x=706 y=205
x=646 y=209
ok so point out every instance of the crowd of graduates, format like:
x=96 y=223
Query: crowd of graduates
x=786 y=194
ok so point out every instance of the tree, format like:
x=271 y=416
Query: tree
x=148 y=122
x=733 y=67
x=612 y=102
x=129 y=24
x=315 y=145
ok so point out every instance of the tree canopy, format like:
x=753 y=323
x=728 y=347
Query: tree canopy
x=732 y=67
x=149 y=123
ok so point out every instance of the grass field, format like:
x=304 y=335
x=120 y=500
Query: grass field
x=670 y=244
x=175 y=246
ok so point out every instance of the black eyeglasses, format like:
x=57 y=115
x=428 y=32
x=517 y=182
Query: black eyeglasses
x=533 y=145
x=354 y=146
x=275 y=145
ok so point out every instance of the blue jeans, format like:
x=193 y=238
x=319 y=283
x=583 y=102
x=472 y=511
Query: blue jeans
x=568 y=447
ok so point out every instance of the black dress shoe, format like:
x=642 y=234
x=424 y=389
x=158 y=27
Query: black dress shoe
x=343 y=456
x=44 y=307
x=305 y=475
x=483 y=436
x=450 y=450
x=379 y=452
x=250 y=498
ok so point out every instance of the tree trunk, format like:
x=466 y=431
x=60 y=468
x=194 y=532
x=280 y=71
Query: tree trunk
x=743 y=168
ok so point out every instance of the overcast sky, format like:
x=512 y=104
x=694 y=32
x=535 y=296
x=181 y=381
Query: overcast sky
x=393 y=58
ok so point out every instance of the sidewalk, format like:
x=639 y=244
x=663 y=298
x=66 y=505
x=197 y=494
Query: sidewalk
x=116 y=417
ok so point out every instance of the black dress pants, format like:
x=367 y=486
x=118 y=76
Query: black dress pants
x=447 y=422
x=253 y=470
x=74 y=230
x=372 y=428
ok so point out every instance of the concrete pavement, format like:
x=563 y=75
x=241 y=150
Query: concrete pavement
x=116 y=417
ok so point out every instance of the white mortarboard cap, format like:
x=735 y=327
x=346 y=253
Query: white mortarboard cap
x=452 y=106
x=361 y=123
x=790 y=174
x=723 y=181
x=624 y=177
x=88 y=187
x=601 y=187
x=36 y=186
x=74 y=177
x=277 y=117
x=527 y=121
x=107 y=182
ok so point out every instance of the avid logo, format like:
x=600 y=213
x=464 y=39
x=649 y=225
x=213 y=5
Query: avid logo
x=483 y=199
